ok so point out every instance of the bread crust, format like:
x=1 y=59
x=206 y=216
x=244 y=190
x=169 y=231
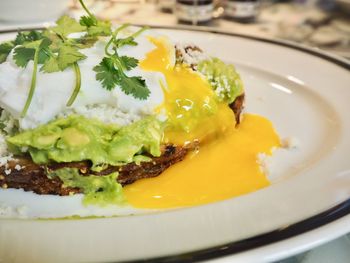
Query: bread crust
x=33 y=177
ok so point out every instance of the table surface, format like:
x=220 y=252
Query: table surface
x=329 y=31
x=303 y=24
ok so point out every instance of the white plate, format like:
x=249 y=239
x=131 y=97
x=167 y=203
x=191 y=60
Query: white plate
x=306 y=95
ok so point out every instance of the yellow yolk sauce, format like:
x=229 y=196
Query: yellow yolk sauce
x=221 y=169
x=224 y=166
x=192 y=108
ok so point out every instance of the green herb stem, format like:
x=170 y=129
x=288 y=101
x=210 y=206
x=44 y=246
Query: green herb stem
x=140 y=31
x=85 y=8
x=118 y=64
x=113 y=38
x=120 y=29
x=77 y=84
x=32 y=84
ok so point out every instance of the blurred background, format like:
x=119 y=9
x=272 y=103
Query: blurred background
x=319 y=23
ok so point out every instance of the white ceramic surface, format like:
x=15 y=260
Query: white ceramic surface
x=305 y=96
x=31 y=10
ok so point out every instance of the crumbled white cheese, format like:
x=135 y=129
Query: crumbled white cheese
x=24 y=149
x=5 y=156
x=290 y=143
x=8 y=121
x=8 y=126
x=104 y=113
x=264 y=162
x=221 y=84
x=282 y=162
x=3 y=146
x=190 y=56
x=18 y=167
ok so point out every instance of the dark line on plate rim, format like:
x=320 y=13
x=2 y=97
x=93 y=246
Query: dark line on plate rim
x=274 y=236
x=310 y=50
x=269 y=238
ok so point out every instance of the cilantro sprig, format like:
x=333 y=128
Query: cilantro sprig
x=112 y=68
x=5 y=50
x=65 y=51
x=94 y=26
x=27 y=46
x=56 y=49
x=37 y=46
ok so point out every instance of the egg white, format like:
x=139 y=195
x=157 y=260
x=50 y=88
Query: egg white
x=51 y=95
x=53 y=90
x=16 y=203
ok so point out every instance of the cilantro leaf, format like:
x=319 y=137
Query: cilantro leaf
x=130 y=40
x=51 y=65
x=110 y=73
x=68 y=55
x=42 y=43
x=128 y=62
x=56 y=41
x=125 y=41
x=88 y=21
x=94 y=26
x=27 y=36
x=102 y=28
x=136 y=86
x=107 y=73
x=23 y=54
x=28 y=42
x=5 y=50
x=67 y=25
x=85 y=41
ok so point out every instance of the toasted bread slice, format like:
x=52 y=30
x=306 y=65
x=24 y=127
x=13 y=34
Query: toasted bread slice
x=33 y=177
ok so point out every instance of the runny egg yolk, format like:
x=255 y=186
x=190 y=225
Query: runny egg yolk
x=223 y=167
x=192 y=108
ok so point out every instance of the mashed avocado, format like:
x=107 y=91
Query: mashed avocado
x=223 y=78
x=77 y=138
x=98 y=190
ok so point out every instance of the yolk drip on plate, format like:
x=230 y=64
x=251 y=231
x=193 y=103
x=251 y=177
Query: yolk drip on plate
x=222 y=168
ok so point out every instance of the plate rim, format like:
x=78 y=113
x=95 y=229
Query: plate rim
x=232 y=248
x=296 y=229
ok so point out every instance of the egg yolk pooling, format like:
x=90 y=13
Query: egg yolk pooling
x=192 y=108
x=221 y=169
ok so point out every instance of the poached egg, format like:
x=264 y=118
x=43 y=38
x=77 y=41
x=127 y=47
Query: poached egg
x=225 y=165
x=53 y=90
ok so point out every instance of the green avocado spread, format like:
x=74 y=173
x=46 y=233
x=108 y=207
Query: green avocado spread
x=98 y=190
x=223 y=78
x=77 y=138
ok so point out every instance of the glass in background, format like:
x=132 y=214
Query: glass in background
x=244 y=11
x=195 y=12
x=166 y=6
